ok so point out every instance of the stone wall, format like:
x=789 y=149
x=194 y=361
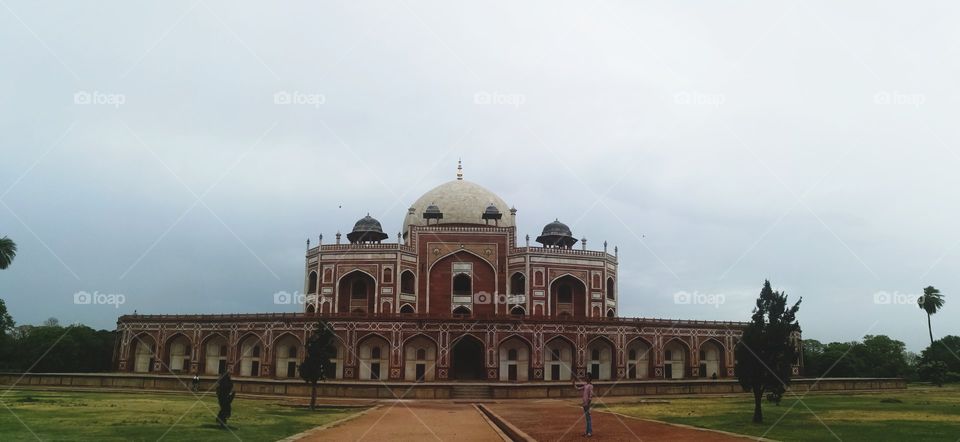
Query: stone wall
x=435 y=390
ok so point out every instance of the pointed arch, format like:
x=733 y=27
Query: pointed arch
x=712 y=358
x=467 y=357
x=561 y=337
x=567 y=294
x=471 y=252
x=518 y=336
x=484 y=277
x=640 y=358
x=419 y=358
x=601 y=358
x=214 y=353
x=408 y=282
x=373 y=352
x=177 y=353
x=144 y=348
x=558 y=358
x=515 y=354
x=312 y=282
x=287 y=354
x=408 y=338
x=676 y=357
x=518 y=283
x=356 y=292
x=251 y=352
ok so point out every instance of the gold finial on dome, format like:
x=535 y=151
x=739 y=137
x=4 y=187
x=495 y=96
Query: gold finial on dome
x=459 y=169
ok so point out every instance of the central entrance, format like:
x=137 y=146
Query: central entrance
x=467 y=361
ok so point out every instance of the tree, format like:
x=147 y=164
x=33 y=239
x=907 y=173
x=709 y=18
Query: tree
x=934 y=371
x=944 y=350
x=6 y=321
x=8 y=250
x=931 y=301
x=768 y=349
x=47 y=349
x=6 y=335
x=882 y=357
x=876 y=356
x=316 y=365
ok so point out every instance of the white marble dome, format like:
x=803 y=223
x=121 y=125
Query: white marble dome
x=461 y=202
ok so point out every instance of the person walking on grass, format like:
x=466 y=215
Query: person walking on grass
x=587 y=389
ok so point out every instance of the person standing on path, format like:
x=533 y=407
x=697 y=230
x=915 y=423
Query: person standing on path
x=587 y=389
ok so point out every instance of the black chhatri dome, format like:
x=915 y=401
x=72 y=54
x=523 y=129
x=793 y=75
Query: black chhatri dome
x=491 y=213
x=557 y=234
x=432 y=212
x=367 y=229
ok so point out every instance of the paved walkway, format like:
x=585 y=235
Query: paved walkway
x=413 y=421
x=551 y=420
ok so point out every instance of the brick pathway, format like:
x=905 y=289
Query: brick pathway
x=417 y=421
x=551 y=420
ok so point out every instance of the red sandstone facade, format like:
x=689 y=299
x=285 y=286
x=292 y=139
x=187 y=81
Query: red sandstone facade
x=455 y=298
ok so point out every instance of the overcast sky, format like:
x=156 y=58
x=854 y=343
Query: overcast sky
x=145 y=151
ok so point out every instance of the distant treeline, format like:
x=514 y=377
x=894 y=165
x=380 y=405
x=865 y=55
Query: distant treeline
x=881 y=356
x=51 y=348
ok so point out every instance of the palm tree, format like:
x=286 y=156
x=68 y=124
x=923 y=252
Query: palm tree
x=8 y=249
x=930 y=302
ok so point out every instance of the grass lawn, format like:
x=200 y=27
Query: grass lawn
x=55 y=415
x=917 y=414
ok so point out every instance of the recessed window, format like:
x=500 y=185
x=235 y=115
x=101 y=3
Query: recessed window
x=565 y=293
x=462 y=285
x=359 y=289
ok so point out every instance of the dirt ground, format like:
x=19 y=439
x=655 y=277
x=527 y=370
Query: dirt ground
x=551 y=420
x=413 y=421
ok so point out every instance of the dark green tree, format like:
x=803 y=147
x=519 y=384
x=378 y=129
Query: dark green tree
x=933 y=371
x=316 y=365
x=6 y=321
x=768 y=349
x=882 y=356
x=76 y=348
x=931 y=302
x=944 y=350
x=6 y=336
x=8 y=250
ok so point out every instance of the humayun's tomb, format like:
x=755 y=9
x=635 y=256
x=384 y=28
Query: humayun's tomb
x=430 y=307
